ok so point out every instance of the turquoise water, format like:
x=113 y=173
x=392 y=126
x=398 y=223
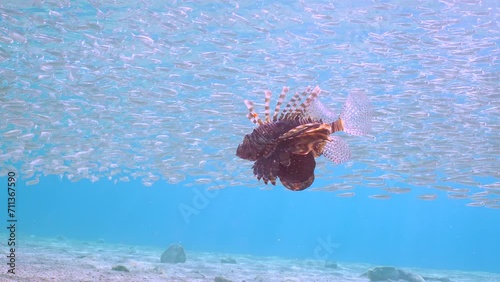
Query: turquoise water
x=121 y=122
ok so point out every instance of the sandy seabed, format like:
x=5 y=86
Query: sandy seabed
x=59 y=259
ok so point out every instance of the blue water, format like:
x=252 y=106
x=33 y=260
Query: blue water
x=441 y=234
x=121 y=119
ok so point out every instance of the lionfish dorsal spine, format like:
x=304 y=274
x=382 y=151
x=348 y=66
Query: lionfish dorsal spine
x=289 y=105
x=290 y=109
x=252 y=115
x=278 y=104
x=267 y=109
x=305 y=105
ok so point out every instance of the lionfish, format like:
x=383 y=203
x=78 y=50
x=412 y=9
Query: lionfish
x=285 y=145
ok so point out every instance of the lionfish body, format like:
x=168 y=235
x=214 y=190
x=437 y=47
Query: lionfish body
x=285 y=145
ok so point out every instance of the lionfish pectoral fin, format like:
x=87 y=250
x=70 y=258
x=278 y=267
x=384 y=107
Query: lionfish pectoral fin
x=306 y=138
x=311 y=143
x=298 y=186
x=317 y=148
x=301 y=149
x=299 y=175
x=266 y=169
x=284 y=158
x=307 y=129
x=337 y=150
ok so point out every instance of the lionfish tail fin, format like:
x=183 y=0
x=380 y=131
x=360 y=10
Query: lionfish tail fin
x=337 y=150
x=356 y=115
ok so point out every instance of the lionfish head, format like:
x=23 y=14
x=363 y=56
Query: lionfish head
x=247 y=150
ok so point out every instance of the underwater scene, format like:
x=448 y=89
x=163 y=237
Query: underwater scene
x=250 y=140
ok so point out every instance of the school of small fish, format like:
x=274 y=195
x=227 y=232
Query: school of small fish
x=152 y=90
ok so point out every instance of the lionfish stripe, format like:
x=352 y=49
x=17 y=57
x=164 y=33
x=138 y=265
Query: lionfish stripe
x=252 y=115
x=289 y=105
x=280 y=101
x=293 y=112
x=294 y=107
x=266 y=105
x=337 y=125
x=314 y=94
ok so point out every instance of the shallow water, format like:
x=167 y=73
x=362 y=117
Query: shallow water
x=149 y=96
x=93 y=261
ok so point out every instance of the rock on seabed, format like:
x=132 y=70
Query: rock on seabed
x=174 y=254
